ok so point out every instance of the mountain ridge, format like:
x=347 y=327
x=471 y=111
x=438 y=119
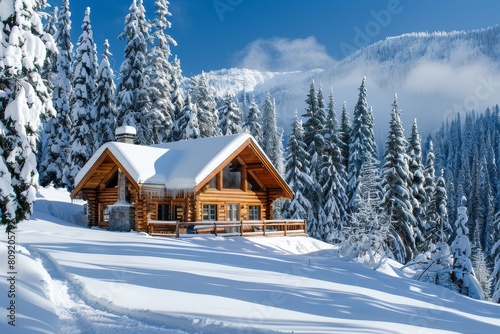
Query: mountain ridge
x=436 y=75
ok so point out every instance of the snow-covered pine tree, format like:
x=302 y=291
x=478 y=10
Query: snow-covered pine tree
x=253 y=122
x=297 y=173
x=272 y=135
x=191 y=130
x=366 y=234
x=23 y=99
x=49 y=70
x=48 y=74
x=361 y=145
x=418 y=195
x=397 y=195
x=315 y=121
x=83 y=112
x=132 y=99
x=463 y=276
x=480 y=266
x=54 y=157
x=438 y=228
x=486 y=208
x=332 y=177
x=345 y=130
x=229 y=116
x=177 y=98
x=429 y=187
x=495 y=275
x=105 y=100
x=208 y=115
x=333 y=143
x=162 y=107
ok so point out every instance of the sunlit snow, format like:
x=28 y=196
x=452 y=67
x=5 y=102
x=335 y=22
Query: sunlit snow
x=72 y=279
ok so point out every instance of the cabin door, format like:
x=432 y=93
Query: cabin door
x=232 y=214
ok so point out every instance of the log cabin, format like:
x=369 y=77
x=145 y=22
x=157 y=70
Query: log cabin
x=161 y=188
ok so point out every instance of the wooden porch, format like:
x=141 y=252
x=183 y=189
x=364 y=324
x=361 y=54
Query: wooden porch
x=244 y=228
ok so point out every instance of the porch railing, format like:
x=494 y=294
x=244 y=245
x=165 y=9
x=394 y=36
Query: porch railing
x=277 y=227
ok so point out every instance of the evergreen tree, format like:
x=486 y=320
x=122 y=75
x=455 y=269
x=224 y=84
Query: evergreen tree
x=229 y=116
x=480 y=267
x=345 y=130
x=314 y=138
x=23 y=100
x=361 y=145
x=397 y=195
x=273 y=144
x=49 y=70
x=429 y=183
x=133 y=100
x=190 y=128
x=368 y=231
x=439 y=229
x=83 y=112
x=495 y=275
x=162 y=107
x=272 y=136
x=463 y=275
x=332 y=136
x=418 y=195
x=104 y=100
x=253 y=122
x=177 y=99
x=208 y=115
x=315 y=122
x=332 y=177
x=48 y=74
x=55 y=153
x=297 y=173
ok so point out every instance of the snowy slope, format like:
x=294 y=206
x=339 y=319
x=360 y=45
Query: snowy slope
x=72 y=279
x=435 y=75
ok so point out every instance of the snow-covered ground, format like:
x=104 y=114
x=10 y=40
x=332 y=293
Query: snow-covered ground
x=71 y=279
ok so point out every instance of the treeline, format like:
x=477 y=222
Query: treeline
x=412 y=204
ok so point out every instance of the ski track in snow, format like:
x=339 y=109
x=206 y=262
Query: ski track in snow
x=79 y=315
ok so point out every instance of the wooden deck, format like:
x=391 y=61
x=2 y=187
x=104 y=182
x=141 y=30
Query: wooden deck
x=244 y=228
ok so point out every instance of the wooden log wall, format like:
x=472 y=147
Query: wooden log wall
x=92 y=207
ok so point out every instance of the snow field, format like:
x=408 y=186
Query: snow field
x=80 y=280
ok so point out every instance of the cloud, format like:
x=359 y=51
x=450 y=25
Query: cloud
x=282 y=54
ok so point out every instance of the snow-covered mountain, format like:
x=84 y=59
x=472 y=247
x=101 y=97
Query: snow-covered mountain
x=435 y=76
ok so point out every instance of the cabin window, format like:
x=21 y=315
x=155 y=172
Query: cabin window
x=231 y=176
x=254 y=212
x=209 y=212
x=164 y=212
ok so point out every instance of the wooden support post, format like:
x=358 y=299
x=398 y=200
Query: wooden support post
x=241 y=228
x=177 y=229
x=286 y=224
x=264 y=228
x=215 y=228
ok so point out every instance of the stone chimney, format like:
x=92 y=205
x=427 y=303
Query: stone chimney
x=125 y=134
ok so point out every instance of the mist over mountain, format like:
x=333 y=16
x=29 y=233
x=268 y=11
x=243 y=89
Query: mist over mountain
x=436 y=75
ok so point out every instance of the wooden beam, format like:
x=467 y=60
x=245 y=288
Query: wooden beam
x=107 y=178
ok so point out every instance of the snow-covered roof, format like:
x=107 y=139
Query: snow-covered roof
x=177 y=165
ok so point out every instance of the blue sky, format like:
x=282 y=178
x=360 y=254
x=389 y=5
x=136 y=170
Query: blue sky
x=282 y=34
